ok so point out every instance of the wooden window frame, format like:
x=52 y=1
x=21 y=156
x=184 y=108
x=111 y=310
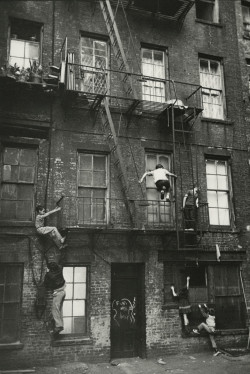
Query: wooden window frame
x=37 y=41
x=86 y=299
x=4 y=267
x=229 y=192
x=19 y=147
x=106 y=188
x=210 y=89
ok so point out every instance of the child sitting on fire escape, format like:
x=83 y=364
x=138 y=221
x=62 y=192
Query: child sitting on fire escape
x=160 y=175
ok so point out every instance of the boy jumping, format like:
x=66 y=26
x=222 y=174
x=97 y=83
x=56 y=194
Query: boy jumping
x=160 y=175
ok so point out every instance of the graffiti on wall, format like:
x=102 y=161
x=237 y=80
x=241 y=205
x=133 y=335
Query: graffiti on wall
x=124 y=310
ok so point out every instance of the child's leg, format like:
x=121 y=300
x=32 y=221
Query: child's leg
x=57 y=237
x=186 y=321
x=203 y=326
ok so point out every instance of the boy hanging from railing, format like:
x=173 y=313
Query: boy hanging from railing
x=160 y=175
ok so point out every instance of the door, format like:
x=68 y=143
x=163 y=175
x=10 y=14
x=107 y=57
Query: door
x=127 y=310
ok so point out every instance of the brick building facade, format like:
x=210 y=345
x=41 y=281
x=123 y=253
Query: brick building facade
x=88 y=130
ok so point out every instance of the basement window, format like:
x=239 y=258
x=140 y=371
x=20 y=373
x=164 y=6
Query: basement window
x=24 y=42
x=207 y=10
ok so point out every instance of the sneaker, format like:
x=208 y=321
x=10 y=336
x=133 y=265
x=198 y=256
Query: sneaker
x=63 y=246
x=217 y=353
x=167 y=200
x=160 y=361
x=162 y=194
x=57 y=330
x=195 y=331
x=63 y=239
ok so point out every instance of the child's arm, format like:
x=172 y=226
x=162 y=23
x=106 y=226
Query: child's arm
x=144 y=175
x=171 y=174
x=188 y=278
x=203 y=312
x=184 y=200
x=51 y=212
x=173 y=291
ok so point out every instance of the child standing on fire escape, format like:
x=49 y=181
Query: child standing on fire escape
x=160 y=175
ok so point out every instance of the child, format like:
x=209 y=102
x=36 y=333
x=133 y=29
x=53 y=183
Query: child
x=184 y=305
x=52 y=231
x=190 y=205
x=161 y=180
x=209 y=326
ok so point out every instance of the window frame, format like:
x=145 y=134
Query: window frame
x=245 y=24
x=215 y=18
x=89 y=73
x=106 y=218
x=229 y=191
x=87 y=300
x=159 y=207
x=163 y=80
x=5 y=266
x=209 y=89
x=20 y=147
x=35 y=42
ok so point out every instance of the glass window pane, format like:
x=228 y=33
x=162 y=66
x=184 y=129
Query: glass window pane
x=32 y=50
x=1 y=294
x=222 y=183
x=222 y=199
x=212 y=182
x=17 y=48
x=10 y=311
x=210 y=167
x=69 y=291
x=68 y=274
x=25 y=192
x=85 y=162
x=11 y=156
x=212 y=198
x=9 y=191
x=24 y=210
x=224 y=217
x=85 y=178
x=99 y=163
x=67 y=308
x=80 y=291
x=99 y=194
x=13 y=275
x=9 y=331
x=78 y=308
x=27 y=157
x=222 y=168
x=26 y=174
x=80 y=274
x=79 y=324
x=213 y=216
x=7 y=172
x=12 y=293
x=8 y=209
x=67 y=322
x=99 y=178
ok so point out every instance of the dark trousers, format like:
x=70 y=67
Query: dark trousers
x=162 y=183
x=190 y=216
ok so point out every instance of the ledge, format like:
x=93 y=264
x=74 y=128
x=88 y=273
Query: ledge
x=67 y=341
x=16 y=223
x=199 y=20
x=217 y=121
x=223 y=333
x=11 y=346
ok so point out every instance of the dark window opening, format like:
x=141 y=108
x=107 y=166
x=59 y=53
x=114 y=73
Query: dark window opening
x=26 y=30
x=207 y=10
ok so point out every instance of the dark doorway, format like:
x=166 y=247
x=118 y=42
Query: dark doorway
x=128 y=334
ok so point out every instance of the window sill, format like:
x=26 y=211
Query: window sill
x=210 y=23
x=64 y=340
x=225 y=229
x=11 y=346
x=16 y=223
x=219 y=121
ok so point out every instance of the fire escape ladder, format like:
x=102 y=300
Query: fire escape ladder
x=115 y=149
x=118 y=49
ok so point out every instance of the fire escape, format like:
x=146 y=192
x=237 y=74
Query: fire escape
x=87 y=87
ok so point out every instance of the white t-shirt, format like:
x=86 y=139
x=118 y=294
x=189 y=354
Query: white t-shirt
x=159 y=174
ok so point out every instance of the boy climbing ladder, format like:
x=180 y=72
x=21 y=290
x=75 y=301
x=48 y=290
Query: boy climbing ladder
x=160 y=175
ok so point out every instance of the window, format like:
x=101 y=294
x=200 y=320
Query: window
x=25 y=42
x=216 y=285
x=92 y=188
x=218 y=192
x=10 y=302
x=246 y=18
x=212 y=88
x=158 y=211
x=207 y=10
x=248 y=70
x=153 y=65
x=94 y=62
x=18 y=183
x=75 y=306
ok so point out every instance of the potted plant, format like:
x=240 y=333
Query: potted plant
x=35 y=72
x=10 y=71
x=23 y=75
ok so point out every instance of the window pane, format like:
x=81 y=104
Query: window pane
x=26 y=174
x=12 y=293
x=80 y=291
x=10 y=311
x=99 y=163
x=17 y=48
x=212 y=199
x=69 y=291
x=68 y=274
x=99 y=178
x=213 y=216
x=210 y=167
x=67 y=322
x=80 y=274
x=79 y=325
x=9 y=331
x=78 y=308
x=99 y=194
x=224 y=217
x=151 y=162
x=25 y=192
x=13 y=275
x=212 y=182
x=9 y=191
x=85 y=178
x=27 y=157
x=11 y=156
x=67 y=308
x=31 y=50
x=8 y=209
x=222 y=183
x=85 y=162
x=24 y=210
x=222 y=168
